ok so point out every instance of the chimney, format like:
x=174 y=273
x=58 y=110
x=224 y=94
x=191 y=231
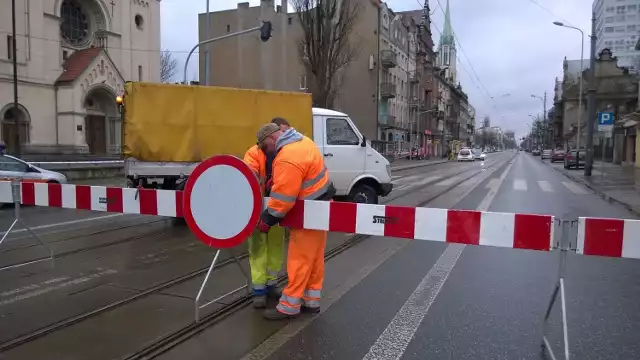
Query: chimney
x=284 y=6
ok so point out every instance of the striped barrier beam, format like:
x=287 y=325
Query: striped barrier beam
x=519 y=231
x=608 y=237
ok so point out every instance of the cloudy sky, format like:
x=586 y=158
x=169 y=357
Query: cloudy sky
x=504 y=47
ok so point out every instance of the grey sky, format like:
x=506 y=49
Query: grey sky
x=511 y=44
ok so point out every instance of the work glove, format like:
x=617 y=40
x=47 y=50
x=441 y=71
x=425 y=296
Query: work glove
x=263 y=227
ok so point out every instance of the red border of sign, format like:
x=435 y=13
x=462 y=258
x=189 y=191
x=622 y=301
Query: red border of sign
x=257 y=201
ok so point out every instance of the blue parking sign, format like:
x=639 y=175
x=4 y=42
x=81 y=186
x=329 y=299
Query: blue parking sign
x=605 y=118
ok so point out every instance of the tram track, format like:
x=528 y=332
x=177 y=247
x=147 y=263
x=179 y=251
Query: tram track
x=170 y=340
x=173 y=339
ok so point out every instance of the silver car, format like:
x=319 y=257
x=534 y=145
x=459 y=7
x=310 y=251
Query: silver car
x=14 y=168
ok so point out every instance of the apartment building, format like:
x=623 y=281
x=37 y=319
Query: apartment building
x=618 y=29
x=376 y=89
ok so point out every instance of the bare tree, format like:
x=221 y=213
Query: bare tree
x=327 y=47
x=168 y=66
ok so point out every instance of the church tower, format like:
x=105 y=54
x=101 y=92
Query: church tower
x=447 y=48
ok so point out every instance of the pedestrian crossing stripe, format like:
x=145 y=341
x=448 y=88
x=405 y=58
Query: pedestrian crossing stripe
x=545 y=186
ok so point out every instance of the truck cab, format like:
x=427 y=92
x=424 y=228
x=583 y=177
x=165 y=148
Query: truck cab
x=359 y=173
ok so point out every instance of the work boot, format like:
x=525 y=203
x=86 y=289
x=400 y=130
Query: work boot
x=259 y=301
x=274 y=292
x=310 y=310
x=274 y=314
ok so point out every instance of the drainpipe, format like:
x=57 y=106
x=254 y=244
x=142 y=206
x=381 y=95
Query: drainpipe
x=55 y=99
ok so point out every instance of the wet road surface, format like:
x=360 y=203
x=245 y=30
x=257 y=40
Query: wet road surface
x=436 y=301
x=151 y=268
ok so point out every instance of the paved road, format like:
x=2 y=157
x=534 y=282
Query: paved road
x=107 y=259
x=424 y=300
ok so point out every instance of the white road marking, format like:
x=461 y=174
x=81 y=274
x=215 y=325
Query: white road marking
x=42 y=291
x=70 y=222
x=32 y=286
x=396 y=337
x=488 y=199
x=520 y=185
x=545 y=186
x=575 y=188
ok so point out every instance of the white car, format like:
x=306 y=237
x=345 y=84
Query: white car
x=466 y=155
x=13 y=168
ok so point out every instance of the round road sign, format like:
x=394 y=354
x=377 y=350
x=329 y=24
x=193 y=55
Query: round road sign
x=222 y=201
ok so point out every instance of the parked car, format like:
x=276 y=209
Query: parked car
x=546 y=154
x=535 y=152
x=13 y=168
x=557 y=155
x=575 y=158
x=466 y=155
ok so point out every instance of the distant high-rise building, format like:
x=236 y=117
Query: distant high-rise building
x=618 y=28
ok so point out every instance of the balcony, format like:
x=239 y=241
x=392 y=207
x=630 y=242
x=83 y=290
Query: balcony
x=387 y=121
x=415 y=76
x=387 y=90
x=389 y=59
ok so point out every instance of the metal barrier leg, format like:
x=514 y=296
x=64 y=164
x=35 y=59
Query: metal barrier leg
x=567 y=228
x=198 y=307
x=15 y=192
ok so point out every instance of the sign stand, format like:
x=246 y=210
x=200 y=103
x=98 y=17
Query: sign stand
x=222 y=205
x=16 y=198
x=564 y=245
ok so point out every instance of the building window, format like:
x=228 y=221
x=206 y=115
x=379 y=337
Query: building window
x=75 y=23
x=621 y=9
x=65 y=55
x=228 y=28
x=139 y=21
x=289 y=20
x=9 y=47
x=620 y=18
x=631 y=28
x=139 y=72
x=619 y=29
x=608 y=20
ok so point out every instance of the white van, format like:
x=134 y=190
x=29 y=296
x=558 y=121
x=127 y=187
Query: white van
x=359 y=173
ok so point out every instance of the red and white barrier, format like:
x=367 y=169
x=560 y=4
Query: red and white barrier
x=521 y=231
x=609 y=237
x=100 y=198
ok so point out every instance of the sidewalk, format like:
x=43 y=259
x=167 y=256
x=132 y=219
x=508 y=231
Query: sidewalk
x=615 y=183
x=404 y=164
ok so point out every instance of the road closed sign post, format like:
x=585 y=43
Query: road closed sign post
x=222 y=206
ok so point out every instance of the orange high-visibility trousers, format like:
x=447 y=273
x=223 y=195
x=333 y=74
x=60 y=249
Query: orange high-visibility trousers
x=305 y=270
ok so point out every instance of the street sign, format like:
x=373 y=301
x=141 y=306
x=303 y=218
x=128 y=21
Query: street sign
x=222 y=201
x=605 y=121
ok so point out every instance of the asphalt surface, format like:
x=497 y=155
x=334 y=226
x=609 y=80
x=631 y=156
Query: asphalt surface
x=429 y=301
x=151 y=268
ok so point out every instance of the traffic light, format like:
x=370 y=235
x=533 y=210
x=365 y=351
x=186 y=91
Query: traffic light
x=265 y=31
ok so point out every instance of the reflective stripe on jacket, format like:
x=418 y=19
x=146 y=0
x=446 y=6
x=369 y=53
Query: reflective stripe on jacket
x=298 y=173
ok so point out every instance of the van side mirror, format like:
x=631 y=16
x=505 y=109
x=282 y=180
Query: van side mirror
x=364 y=141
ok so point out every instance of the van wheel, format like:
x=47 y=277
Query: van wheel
x=363 y=194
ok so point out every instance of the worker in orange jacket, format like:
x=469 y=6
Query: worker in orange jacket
x=266 y=250
x=299 y=172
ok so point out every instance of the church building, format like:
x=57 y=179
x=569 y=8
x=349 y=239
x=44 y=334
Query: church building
x=73 y=58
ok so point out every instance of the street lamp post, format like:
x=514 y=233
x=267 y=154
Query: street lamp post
x=544 y=107
x=558 y=23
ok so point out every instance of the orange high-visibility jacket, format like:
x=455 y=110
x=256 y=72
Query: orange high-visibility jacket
x=257 y=161
x=298 y=173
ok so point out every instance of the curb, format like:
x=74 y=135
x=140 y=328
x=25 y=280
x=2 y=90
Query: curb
x=413 y=166
x=598 y=192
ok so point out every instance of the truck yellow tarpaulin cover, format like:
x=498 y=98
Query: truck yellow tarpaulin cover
x=180 y=123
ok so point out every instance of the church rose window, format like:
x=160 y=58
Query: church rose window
x=75 y=23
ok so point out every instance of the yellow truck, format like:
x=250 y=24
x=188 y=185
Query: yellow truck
x=169 y=129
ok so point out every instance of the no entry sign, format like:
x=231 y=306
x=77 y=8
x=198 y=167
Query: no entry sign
x=222 y=201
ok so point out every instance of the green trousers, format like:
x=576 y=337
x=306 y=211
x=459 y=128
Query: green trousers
x=266 y=252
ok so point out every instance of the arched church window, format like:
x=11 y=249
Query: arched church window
x=75 y=23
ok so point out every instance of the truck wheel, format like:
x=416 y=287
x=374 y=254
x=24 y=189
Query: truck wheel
x=363 y=194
